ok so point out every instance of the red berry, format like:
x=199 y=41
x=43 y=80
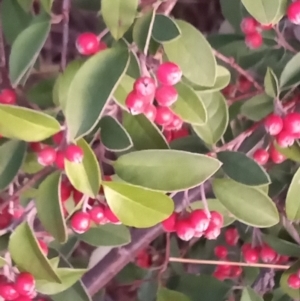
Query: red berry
x=221 y=252
x=87 y=43
x=80 y=222
x=231 y=236
x=254 y=40
x=184 y=229
x=212 y=232
x=58 y=137
x=23 y=298
x=249 y=25
x=37 y=146
x=60 y=160
x=181 y=133
x=5 y=218
x=143 y=259
x=150 y=112
x=261 y=156
x=43 y=247
x=276 y=156
x=236 y=271
x=224 y=270
x=8 y=291
x=285 y=139
x=169 y=74
x=65 y=190
x=273 y=124
x=136 y=103
x=102 y=46
x=169 y=224
x=282 y=259
x=77 y=196
x=291 y=123
x=229 y=90
x=251 y=255
x=199 y=219
x=46 y=156
x=216 y=218
x=166 y=95
x=8 y=97
x=267 y=254
x=110 y=216
x=176 y=125
x=144 y=86
x=168 y=135
x=164 y=116
x=25 y=284
x=293 y=12
x=244 y=85
x=293 y=281
x=74 y=153
x=97 y=214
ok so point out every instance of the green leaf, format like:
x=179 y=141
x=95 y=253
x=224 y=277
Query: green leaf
x=266 y=11
x=292 y=152
x=144 y=133
x=68 y=276
x=293 y=293
x=113 y=135
x=243 y=169
x=217 y=118
x=122 y=90
x=50 y=209
x=26 y=4
x=12 y=154
x=292 y=205
x=189 y=106
x=122 y=18
x=14 y=19
x=155 y=169
x=77 y=292
x=249 y=294
x=30 y=164
x=26 y=124
x=165 y=294
x=257 y=107
x=215 y=204
x=26 y=48
x=170 y=29
x=271 y=83
x=85 y=176
x=248 y=204
x=91 y=87
x=107 y=236
x=291 y=75
x=193 y=54
x=137 y=206
x=233 y=13
x=47 y=5
x=35 y=261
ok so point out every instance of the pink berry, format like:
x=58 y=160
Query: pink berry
x=236 y=271
x=46 y=156
x=110 y=216
x=231 y=236
x=37 y=146
x=273 y=124
x=8 y=291
x=212 y=232
x=74 y=153
x=199 y=220
x=150 y=112
x=221 y=252
x=276 y=156
x=244 y=85
x=65 y=191
x=267 y=254
x=60 y=160
x=176 y=125
x=261 y=156
x=23 y=298
x=144 y=86
x=80 y=222
x=5 y=218
x=251 y=255
x=166 y=95
x=285 y=139
x=97 y=214
x=87 y=43
x=164 y=116
x=249 y=25
x=43 y=247
x=8 y=97
x=293 y=281
x=185 y=229
x=58 y=137
x=25 y=284
x=254 y=40
x=169 y=74
x=136 y=103
x=293 y=12
x=169 y=224
x=291 y=123
x=216 y=218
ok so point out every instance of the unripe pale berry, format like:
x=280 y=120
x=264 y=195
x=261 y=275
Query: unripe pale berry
x=46 y=156
x=276 y=156
x=164 y=116
x=74 y=153
x=169 y=74
x=221 y=252
x=166 y=95
x=80 y=222
x=8 y=96
x=285 y=139
x=293 y=281
x=150 y=111
x=185 y=229
x=254 y=40
x=249 y=25
x=199 y=219
x=293 y=12
x=291 y=123
x=169 y=224
x=261 y=156
x=273 y=124
x=136 y=103
x=144 y=86
x=8 y=291
x=25 y=284
x=87 y=43
x=97 y=214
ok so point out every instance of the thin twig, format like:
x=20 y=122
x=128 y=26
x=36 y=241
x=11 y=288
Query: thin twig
x=282 y=41
x=65 y=12
x=103 y=33
x=204 y=200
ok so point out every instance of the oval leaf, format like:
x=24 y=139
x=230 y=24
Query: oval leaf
x=243 y=169
x=193 y=54
x=293 y=293
x=137 y=206
x=35 y=261
x=217 y=118
x=122 y=18
x=249 y=294
x=144 y=133
x=113 y=135
x=165 y=294
x=90 y=89
x=49 y=207
x=85 y=176
x=76 y=292
x=248 y=204
x=12 y=154
x=26 y=124
x=271 y=83
x=156 y=169
x=107 y=236
x=291 y=73
x=26 y=48
x=189 y=106
x=292 y=205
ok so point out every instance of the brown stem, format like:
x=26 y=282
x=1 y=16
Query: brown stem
x=65 y=12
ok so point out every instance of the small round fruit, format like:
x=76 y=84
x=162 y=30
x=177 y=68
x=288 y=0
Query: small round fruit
x=244 y=85
x=176 y=125
x=136 y=103
x=144 y=86
x=276 y=156
x=293 y=12
x=43 y=247
x=273 y=124
x=212 y=232
x=166 y=95
x=180 y=133
x=46 y=156
x=169 y=74
x=253 y=40
x=293 y=281
x=25 y=284
x=87 y=43
x=150 y=112
x=65 y=190
x=285 y=139
x=110 y=216
x=184 y=229
x=164 y=116
x=221 y=252
x=58 y=137
x=199 y=219
x=249 y=25
x=8 y=291
x=37 y=146
x=60 y=160
x=251 y=255
x=169 y=224
x=236 y=271
x=8 y=97
x=216 y=218
x=80 y=222
x=74 y=153
x=291 y=123
x=261 y=156
x=97 y=214
x=231 y=236
x=267 y=254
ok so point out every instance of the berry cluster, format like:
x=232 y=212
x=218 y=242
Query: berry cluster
x=8 y=96
x=194 y=224
x=252 y=30
x=293 y=12
x=141 y=99
x=88 y=44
